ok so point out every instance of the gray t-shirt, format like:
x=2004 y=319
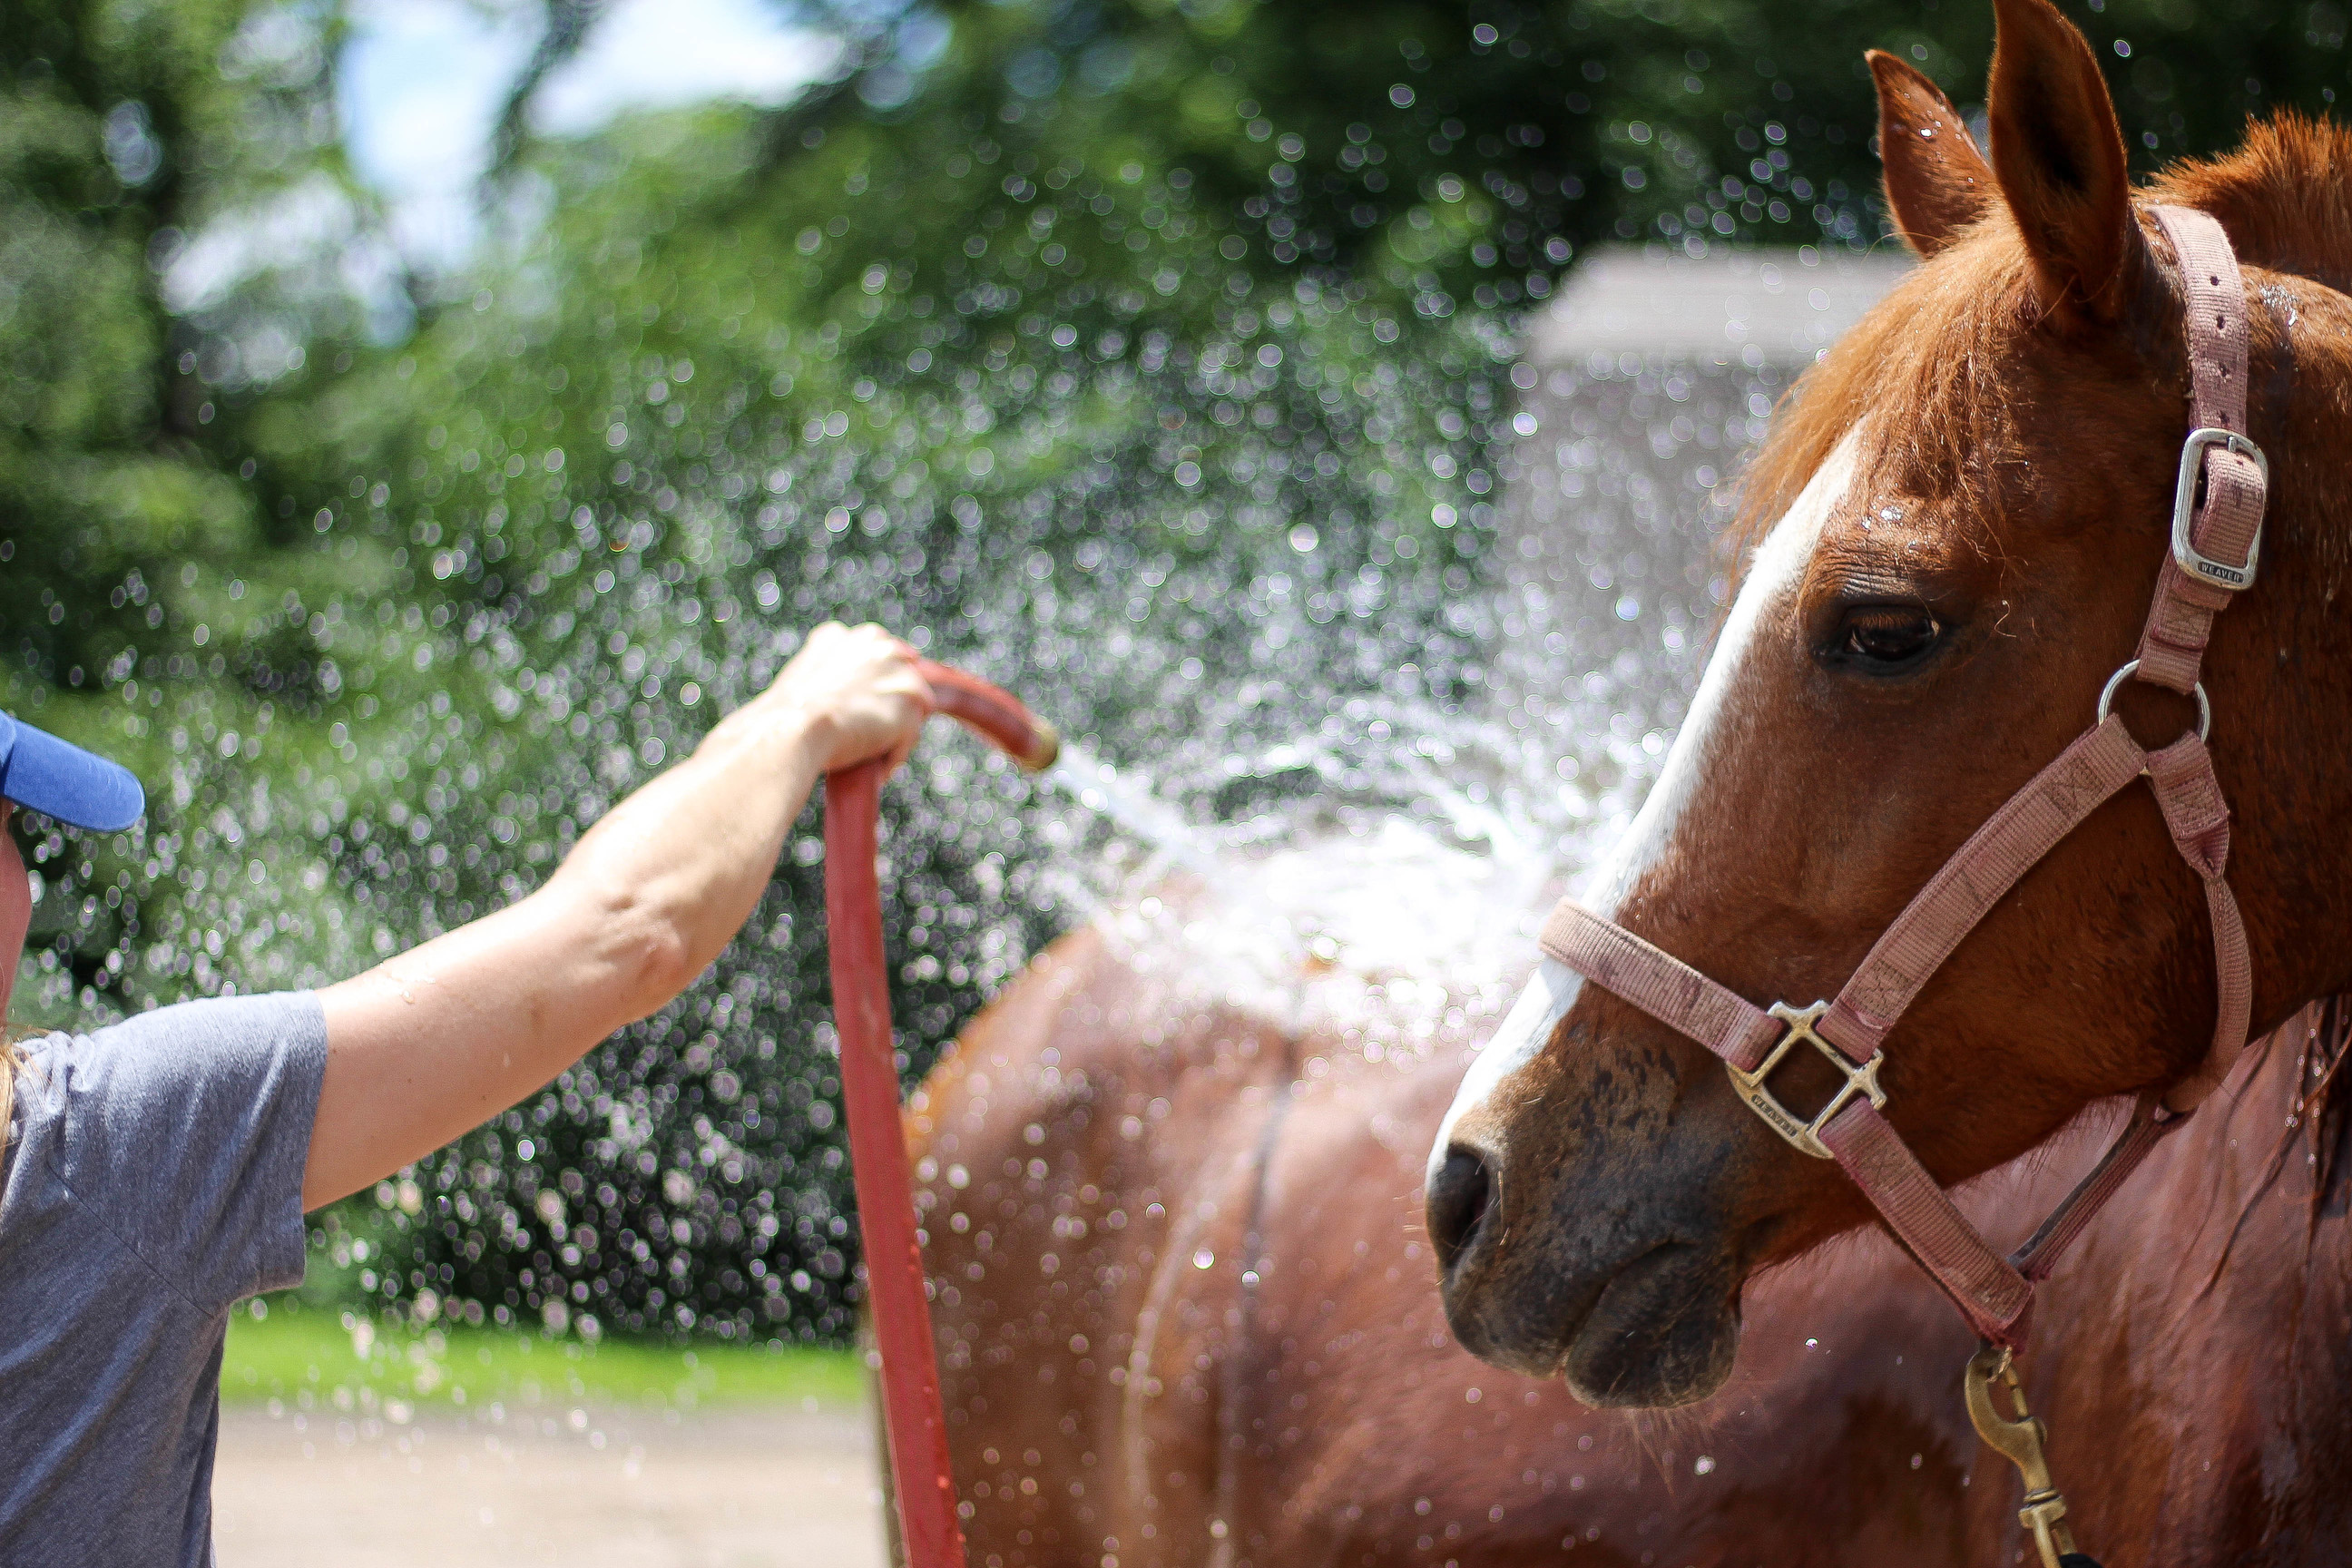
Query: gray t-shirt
x=156 y=1178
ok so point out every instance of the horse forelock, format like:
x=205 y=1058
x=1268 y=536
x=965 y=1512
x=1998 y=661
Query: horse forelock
x=1924 y=367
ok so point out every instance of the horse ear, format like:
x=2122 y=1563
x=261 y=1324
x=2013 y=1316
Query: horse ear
x=1936 y=182
x=2059 y=156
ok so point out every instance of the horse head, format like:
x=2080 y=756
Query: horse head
x=1956 y=523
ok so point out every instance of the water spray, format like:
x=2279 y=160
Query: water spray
x=913 y=1420
x=1099 y=787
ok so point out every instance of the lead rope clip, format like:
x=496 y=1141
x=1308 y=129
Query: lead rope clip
x=2018 y=1438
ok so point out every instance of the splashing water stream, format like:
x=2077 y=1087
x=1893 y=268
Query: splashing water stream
x=1099 y=786
x=1384 y=727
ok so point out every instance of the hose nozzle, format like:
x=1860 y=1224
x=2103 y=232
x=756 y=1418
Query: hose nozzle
x=993 y=713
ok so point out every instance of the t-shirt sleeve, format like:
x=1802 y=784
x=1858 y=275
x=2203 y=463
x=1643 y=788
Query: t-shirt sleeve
x=187 y=1130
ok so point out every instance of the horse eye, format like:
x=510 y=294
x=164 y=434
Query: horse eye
x=1887 y=634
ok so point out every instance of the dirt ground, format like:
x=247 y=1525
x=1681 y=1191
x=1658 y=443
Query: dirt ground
x=586 y=1488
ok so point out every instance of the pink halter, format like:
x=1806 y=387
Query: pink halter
x=2216 y=546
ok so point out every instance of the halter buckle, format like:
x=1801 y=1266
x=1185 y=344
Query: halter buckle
x=1801 y=1133
x=2216 y=574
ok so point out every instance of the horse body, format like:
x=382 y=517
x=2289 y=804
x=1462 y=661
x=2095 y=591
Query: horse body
x=1250 y=1365
x=1300 y=1390
x=2192 y=1361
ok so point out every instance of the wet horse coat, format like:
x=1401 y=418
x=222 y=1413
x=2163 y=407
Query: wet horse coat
x=1300 y=1388
x=1186 y=1317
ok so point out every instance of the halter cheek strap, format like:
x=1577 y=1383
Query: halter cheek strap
x=2216 y=542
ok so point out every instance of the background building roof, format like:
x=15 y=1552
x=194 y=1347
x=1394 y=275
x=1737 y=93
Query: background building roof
x=1788 y=303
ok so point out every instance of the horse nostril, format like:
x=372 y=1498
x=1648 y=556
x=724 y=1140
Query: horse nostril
x=1459 y=1195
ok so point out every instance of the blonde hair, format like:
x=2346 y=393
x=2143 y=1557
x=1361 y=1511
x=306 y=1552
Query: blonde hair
x=13 y=1063
x=11 y=1059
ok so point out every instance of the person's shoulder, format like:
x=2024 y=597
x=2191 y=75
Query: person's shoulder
x=173 y=1089
x=182 y=1132
x=206 y=1017
x=151 y=1048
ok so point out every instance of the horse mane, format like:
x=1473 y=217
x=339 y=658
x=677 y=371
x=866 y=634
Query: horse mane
x=1923 y=356
x=2285 y=195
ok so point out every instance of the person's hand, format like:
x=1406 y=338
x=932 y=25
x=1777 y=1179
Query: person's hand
x=858 y=691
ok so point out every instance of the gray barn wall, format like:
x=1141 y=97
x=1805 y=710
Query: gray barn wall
x=1647 y=381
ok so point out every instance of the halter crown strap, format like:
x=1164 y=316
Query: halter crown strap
x=2216 y=537
x=2226 y=520
x=2220 y=524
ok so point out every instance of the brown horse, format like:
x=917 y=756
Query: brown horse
x=1960 y=523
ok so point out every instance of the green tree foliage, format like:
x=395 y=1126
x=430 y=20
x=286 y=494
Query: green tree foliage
x=1157 y=358
x=147 y=591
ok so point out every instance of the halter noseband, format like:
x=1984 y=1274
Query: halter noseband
x=2216 y=549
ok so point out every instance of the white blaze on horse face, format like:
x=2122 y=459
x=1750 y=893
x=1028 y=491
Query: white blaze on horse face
x=1530 y=1023
x=1779 y=567
x=1775 y=572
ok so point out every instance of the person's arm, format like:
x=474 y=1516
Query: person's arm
x=435 y=1041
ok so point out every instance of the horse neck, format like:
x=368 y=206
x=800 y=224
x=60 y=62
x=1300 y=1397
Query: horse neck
x=2252 y=1205
x=2272 y=1137
x=2195 y=1340
x=2280 y=669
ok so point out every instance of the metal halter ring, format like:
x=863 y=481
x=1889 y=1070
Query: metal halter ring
x=2115 y=682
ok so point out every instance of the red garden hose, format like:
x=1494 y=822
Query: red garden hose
x=913 y=1420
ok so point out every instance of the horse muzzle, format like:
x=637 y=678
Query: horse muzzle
x=1632 y=1308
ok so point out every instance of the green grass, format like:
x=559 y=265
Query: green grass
x=307 y=1357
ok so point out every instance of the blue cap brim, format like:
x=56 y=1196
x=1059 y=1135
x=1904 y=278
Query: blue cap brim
x=61 y=780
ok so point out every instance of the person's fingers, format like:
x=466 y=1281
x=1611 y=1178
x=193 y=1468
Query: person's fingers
x=868 y=686
x=889 y=735
x=920 y=690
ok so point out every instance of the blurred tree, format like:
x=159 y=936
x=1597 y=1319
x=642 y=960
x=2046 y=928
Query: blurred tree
x=178 y=233
x=1582 y=121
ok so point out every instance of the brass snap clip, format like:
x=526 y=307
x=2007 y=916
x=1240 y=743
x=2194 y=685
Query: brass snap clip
x=2019 y=1439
